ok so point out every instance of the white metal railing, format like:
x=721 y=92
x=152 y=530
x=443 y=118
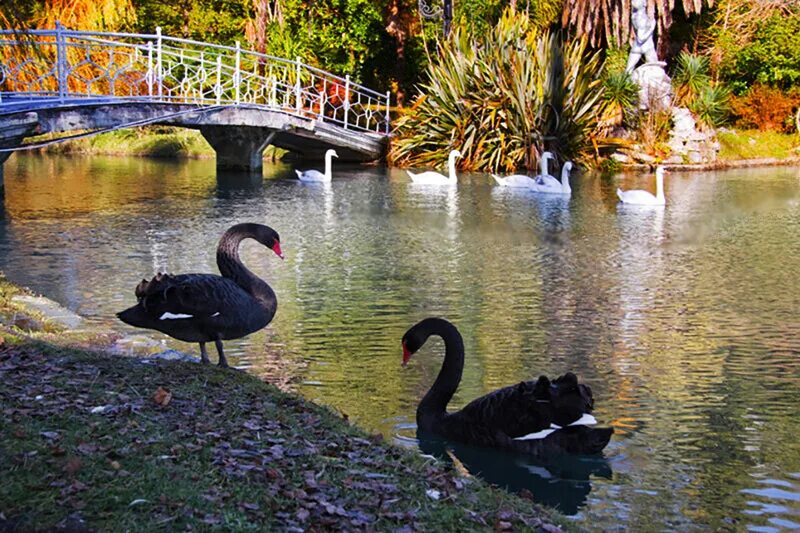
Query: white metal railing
x=66 y=65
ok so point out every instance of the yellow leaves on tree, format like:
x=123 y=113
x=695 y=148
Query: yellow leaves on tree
x=87 y=15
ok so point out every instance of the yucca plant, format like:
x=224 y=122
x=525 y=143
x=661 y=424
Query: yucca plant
x=690 y=77
x=502 y=98
x=711 y=106
x=621 y=98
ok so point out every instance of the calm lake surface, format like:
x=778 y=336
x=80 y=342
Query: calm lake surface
x=685 y=321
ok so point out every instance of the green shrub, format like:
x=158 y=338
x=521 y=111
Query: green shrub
x=772 y=57
x=616 y=60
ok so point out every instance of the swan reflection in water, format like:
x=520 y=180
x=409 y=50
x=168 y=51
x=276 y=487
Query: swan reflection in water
x=552 y=210
x=325 y=190
x=436 y=196
x=563 y=482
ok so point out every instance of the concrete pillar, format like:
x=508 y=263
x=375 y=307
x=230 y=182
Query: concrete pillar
x=238 y=147
x=13 y=130
x=3 y=157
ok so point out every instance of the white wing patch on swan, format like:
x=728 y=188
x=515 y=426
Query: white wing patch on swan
x=585 y=420
x=534 y=436
x=171 y=316
x=215 y=314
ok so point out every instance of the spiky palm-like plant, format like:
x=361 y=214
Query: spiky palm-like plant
x=621 y=97
x=711 y=105
x=502 y=98
x=690 y=77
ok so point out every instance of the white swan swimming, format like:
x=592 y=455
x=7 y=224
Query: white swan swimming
x=316 y=175
x=639 y=197
x=521 y=180
x=434 y=178
x=550 y=185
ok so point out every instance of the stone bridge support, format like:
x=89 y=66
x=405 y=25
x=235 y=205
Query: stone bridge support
x=238 y=148
x=12 y=133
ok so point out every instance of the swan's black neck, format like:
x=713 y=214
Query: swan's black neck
x=231 y=267
x=434 y=405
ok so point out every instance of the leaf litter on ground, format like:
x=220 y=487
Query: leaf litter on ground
x=211 y=448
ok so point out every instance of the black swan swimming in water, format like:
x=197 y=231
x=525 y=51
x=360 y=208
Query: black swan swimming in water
x=205 y=307
x=518 y=418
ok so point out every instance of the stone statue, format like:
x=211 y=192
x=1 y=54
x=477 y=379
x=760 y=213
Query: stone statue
x=687 y=144
x=643 y=27
x=655 y=88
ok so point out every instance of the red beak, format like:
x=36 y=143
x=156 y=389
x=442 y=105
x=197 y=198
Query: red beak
x=406 y=355
x=277 y=249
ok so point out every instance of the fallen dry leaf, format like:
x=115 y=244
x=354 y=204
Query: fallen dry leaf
x=73 y=465
x=162 y=396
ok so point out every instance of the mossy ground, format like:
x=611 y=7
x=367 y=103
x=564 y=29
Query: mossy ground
x=752 y=144
x=89 y=441
x=149 y=141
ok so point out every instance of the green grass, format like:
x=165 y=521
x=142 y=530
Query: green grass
x=147 y=141
x=227 y=452
x=151 y=141
x=752 y=144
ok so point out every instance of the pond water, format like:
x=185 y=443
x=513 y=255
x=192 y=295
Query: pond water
x=684 y=321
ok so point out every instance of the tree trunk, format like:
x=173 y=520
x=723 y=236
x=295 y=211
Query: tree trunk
x=397 y=25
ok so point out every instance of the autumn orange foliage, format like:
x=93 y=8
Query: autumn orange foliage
x=29 y=67
x=766 y=108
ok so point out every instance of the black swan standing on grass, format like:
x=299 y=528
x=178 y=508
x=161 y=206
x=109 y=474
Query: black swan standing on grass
x=205 y=307
x=540 y=418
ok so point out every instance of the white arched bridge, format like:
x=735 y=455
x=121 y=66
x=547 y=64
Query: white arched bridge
x=241 y=101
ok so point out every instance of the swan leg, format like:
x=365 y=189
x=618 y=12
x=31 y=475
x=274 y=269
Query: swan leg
x=223 y=362
x=204 y=354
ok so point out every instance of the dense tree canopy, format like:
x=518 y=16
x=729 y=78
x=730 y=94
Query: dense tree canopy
x=386 y=43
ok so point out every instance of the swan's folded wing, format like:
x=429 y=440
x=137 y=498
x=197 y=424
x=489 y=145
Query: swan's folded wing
x=513 y=411
x=186 y=295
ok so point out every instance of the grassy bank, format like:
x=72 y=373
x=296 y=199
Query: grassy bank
x=151 y=141
x=148 y=141
x=90 y=440
x=752 y=144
